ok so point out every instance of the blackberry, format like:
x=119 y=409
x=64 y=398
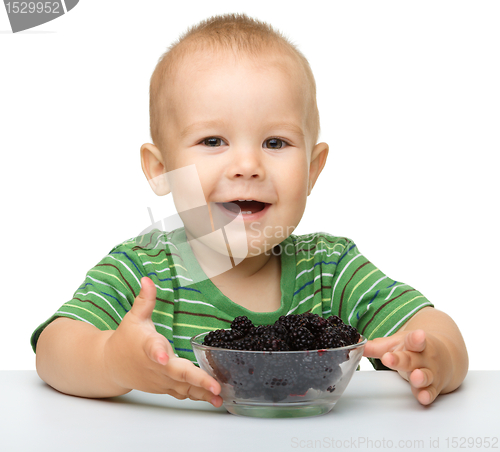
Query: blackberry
x=255 y=375
x=247 y=343
x=263 y=341
x=263 y=330
x=330 y=338
x=242 y=324
x=275 y=344
x=301 y=339
x=334 y=320
x=291 y=332
x=280 y=345
x=288 y=321
x=280 y=331
x=317 y=324
x=350 y=332
x=215 y=337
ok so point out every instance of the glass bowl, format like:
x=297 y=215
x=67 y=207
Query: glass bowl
x=279 y=383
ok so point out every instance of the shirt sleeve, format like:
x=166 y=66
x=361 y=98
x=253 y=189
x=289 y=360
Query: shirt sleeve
x=107 y=292
x=364 y=297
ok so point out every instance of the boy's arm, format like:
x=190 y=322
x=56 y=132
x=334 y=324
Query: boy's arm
x=428 y=351
x=69 y=357
x=77 y=358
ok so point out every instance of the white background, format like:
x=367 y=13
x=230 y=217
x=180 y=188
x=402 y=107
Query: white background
x=409 y=100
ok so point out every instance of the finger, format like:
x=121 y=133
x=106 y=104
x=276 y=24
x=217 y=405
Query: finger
x=421 y=378
x=377 y=347
x=175 y=394
x=196 y=393
x=182 y=370
x=403 y=361
x=145 y=302
x=415 y=341
x=425 y=396
x=157 y=349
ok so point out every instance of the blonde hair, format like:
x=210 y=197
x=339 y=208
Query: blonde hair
x=235 y=32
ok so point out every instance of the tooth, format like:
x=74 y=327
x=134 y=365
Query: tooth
x=240 y=200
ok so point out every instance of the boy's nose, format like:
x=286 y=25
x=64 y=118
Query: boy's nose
x=246 y=164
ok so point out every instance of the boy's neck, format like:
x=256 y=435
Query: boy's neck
x=216 y=265
x=248 y=268
x=254 y=283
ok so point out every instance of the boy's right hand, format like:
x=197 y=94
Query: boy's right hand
x=138 y=357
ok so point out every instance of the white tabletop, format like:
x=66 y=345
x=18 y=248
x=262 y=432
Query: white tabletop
x=376 y=412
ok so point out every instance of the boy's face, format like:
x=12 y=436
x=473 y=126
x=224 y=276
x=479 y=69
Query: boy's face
x=245 y=127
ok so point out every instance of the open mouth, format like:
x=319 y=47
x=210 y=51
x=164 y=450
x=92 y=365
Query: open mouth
x=246 y=207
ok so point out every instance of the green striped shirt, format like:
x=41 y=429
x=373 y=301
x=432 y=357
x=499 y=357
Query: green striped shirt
x=320 y=273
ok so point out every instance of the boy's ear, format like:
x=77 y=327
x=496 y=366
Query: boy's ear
x=154 y=169
x=318 y=160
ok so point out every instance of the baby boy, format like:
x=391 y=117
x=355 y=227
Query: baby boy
x=236 y=101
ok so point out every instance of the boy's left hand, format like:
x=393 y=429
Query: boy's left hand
x=420 y=357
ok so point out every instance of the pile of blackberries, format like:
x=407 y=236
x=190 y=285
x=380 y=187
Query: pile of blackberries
x=281 y=374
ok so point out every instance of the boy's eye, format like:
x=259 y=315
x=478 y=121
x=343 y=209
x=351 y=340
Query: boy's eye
x=213 y=142
x=275 y=143
x=271 y=143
